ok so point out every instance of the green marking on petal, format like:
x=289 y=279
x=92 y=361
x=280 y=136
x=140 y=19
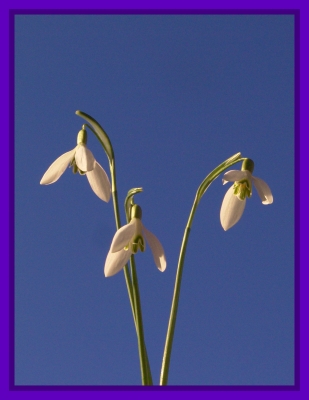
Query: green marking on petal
x=75 y=169
x=138 y=243
x=242 y=189
x=142 y=245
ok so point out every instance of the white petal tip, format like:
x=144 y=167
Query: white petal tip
x=224 y=225
x=45 y=181
x=156 y=248
x=115 y=262
x=163 y=268
x=57 y=168
x=268 y=201
x=108 y=198
x=107 y=273
x=263 y=190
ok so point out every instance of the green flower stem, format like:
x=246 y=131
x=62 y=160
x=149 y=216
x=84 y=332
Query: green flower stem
x=106 y=144
x=174 y=308
x=132 y=289
x=144 y=364
x=175 y=301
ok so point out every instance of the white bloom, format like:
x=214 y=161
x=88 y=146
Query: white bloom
x=127 y=241
x=82 y=160
x=234 y=201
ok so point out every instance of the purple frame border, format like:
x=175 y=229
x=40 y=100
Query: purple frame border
x=7 y=377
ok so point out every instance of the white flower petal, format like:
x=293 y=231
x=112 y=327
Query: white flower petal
x=263 y=190
x=231 y=210
x=116 y=261
x=123 y=236
x=156 y=248
x=235 y=175
x=99 y=182
x=57 y=168
x=84 y=158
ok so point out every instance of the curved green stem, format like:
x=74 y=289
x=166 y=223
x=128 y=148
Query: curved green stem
x=132 y=288
x=133 y=291
x=103 y=138
x=174 y=308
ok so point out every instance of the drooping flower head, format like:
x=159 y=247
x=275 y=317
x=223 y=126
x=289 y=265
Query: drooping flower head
x=128 y=240
x=81 y=160
x=234 y=201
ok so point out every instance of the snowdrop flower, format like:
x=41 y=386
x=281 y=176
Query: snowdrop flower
x=80 y=159
x=128 y=240
x=234 y=201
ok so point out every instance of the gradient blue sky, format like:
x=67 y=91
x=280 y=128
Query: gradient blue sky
x=177 y=95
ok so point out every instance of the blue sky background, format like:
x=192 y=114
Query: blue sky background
x=177 y=95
